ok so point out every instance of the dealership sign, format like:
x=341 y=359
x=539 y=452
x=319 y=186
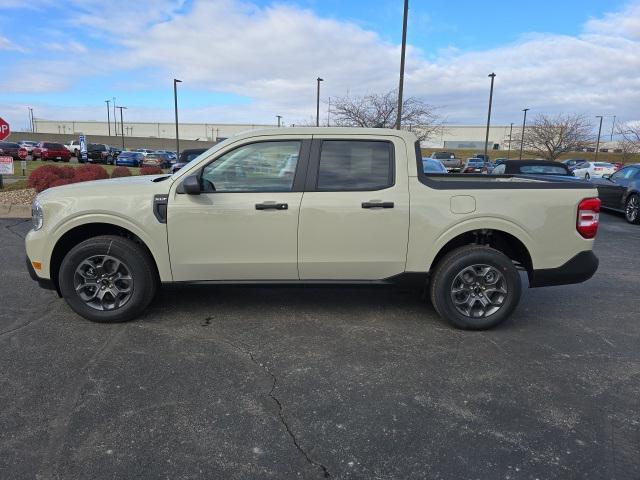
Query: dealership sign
x=6 y=165
x=5 y=131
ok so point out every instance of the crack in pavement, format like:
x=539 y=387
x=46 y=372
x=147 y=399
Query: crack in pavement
x=60 y=423
x=246 y=351
x=33 y=321
x=9 y=227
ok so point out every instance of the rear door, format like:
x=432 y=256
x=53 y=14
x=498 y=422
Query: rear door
x=354 y=218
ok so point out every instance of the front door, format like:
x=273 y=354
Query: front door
x=244 y=225
x=354 y=219
x=612 y=190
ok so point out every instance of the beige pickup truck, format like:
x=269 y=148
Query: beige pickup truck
x=313 y=205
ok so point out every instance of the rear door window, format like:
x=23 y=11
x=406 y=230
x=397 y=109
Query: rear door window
x=347 y=165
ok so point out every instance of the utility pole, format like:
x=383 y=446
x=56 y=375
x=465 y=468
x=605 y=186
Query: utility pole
x=524 y=123
x=108 y=117
x=279 y=117
x=486 y=138
x=122 y=125
x=328 y=111
x=510 y=131
x=402 y=55
x=175 y=100
x=599 y=132
x=318 y=102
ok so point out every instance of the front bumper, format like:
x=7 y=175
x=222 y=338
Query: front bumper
x=43 y=282
x=578 y=269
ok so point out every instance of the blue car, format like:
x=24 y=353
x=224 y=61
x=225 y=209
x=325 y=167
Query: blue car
x=432 y=165
x=130 y=159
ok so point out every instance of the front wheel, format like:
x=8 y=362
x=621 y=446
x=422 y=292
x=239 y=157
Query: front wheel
x=632 y=209
x=475 y=287
x=108 y=279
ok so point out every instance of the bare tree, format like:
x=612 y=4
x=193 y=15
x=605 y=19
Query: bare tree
x=629 y=138
x=381 y=110
x=550 y=136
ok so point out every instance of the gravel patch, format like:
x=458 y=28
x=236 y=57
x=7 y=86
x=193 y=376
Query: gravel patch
x=18 y=197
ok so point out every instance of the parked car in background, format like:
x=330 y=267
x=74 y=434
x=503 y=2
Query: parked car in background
x=74 y=147
x=449 y=160
x=186 y=156
x=532 y=167
x=129 y=159
x=485 y=158
x=172 y=155
x=588 y=170
x=101 y=153
x=156 y=160
x=431 y=165
x=621 y=192
x=572 y=163
x=27 y=145
x=618 y=165
x=475 y=165
x=499 y=160
x=10 y=149
x=144 y=151
x=51 y=151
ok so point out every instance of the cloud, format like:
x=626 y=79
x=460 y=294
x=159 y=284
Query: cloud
x=9 y=46
x=273 y=54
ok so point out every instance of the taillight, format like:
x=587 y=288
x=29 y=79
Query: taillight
x=588 y=217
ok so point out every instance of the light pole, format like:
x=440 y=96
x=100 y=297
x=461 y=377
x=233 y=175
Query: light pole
x=279 y=117
x=108 y=117
x=613 y=124
x=175 y=101
x=510 y=131
x=486 y=138
x=121 y=125
x=31 y=120
x=318 y=102
x=115 y=122
x=402 y=55
x=598 y=141
x=524 y=124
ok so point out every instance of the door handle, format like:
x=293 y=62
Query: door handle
x=377 y=204
x=272 y=206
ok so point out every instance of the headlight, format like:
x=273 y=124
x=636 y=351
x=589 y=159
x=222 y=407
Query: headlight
x=37 y=217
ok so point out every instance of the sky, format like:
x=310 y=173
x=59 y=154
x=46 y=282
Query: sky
x=248 y=61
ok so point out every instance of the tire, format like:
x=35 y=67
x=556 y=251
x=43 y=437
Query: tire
x=134 y=285
x=587 y=176
x=632 y=209
x=480 y=264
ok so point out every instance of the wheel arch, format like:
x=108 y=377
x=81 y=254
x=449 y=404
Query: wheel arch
x=500 y=240
x=83 y=232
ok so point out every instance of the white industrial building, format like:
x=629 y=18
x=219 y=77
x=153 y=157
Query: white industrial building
x=449 y=136
x=211 y=132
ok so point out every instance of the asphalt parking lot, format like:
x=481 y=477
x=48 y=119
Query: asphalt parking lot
x=323 y=382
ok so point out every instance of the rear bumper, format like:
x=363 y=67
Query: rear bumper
x=42 y=282
x=579 y=269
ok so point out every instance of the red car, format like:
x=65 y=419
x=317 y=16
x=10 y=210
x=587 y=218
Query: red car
x=51 y=151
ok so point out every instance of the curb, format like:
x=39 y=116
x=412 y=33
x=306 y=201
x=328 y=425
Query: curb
x=14 y=211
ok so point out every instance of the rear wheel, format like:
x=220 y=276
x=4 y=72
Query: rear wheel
x=475 y=287
x=632 y=209
x=108 y=279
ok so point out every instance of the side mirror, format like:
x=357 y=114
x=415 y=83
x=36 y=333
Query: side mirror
x=191 y=185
